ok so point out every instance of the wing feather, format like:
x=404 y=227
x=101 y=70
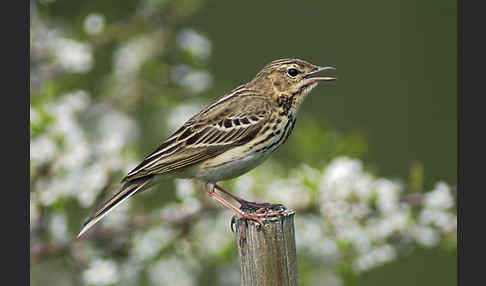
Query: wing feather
x=207 y=134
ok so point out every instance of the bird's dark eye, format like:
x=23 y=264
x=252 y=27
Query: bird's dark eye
x=293 y=72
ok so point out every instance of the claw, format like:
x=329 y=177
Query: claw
x=243 y=233
x=258 y=211
x=253 y=217
x=233 y=221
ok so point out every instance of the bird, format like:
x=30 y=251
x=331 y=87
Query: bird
x=228 y=138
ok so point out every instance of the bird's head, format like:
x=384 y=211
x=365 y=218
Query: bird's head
x=290 y=79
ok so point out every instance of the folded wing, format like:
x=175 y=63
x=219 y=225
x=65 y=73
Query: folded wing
x=227 y=123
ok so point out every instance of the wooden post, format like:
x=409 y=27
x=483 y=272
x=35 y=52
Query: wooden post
x=267 y=255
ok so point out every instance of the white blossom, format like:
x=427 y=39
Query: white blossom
x=439 y=198
x=424 y=235
x=72 y=55
x=243 y=185
x=180 y=114
x=33 y=210
x=339 y=176
x=119 y=217
x=34 y=116
x=116 y=130
x=388 y=195
x=443 y=220
x=311 y=237
x=325 y=277
x=171 y=271
x=194 y=43
x=101 y=272
x=77 y=155
x=128 y=59
x=150 y=242
x=42 y=149
x=94 y=23
x=94 y=179
x=351 y=231
x=196 y=81
x=212 y=234
x=184 y=188
x=65 y=111
x=385 y=227
x=290 y=193
x=178 y=72
x=129 y=272
x=375 y=257
x=58 y=227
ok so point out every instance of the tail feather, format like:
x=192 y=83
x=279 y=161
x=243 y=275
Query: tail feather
x=127 y=190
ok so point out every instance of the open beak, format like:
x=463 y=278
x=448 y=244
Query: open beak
x=318 y=79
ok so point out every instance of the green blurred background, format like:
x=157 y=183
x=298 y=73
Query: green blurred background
x=393 y=105
x=397 y=86
x=396 y=68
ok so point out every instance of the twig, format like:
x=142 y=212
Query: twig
x=43 y=250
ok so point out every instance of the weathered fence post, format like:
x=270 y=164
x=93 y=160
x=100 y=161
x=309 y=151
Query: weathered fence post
x=267 y=255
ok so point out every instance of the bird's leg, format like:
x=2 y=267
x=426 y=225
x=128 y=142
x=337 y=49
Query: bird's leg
x=244 y=204
x=244 y=207
x=239 y=200
x=210 y=190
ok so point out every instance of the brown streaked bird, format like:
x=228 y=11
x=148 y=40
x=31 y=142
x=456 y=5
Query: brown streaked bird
x=229 y=137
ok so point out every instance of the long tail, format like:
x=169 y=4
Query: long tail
x=127 y=190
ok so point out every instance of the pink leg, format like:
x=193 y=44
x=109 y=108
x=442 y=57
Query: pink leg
x=246 y=204
x=255 y=216
x=240 y=200
x=210 y=190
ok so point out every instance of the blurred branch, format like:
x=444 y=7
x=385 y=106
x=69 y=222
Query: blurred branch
x=125 y=28
x=41 y=251
x=417 y=198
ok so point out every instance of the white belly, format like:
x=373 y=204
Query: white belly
x=227 y=165
x=241 y=159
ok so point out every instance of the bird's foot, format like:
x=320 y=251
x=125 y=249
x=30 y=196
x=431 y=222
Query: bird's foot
x=244 y=224
x=255 y=211
x=247 y=211
x=262 y=209
x=254 y=216
x=247 y=206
